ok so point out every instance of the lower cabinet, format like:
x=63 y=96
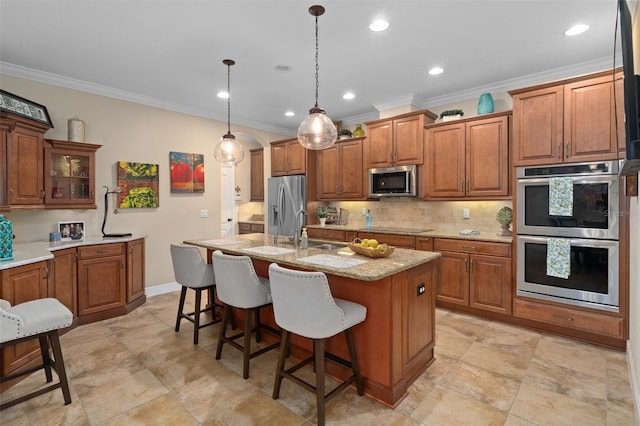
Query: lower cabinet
x=331 y=234
x=101 y=278
x=63 y=278
x=250 y=228
x=19 y=285
x=400 y=241
x=475 y=274
x=135 y=270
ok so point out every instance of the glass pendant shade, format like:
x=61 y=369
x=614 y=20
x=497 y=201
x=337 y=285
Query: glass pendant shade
x=317 y=131
x=229 y=150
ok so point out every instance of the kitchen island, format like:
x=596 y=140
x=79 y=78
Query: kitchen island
x=395 y=343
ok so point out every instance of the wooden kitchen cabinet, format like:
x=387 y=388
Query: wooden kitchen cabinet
x=396 y=141
x=63 y=279
x=69 y=174
x=250 y=228
x=21 y=177
x=135 y=270
x=476 y=274
x=568 y=121
x=331 y=234
x=257 y=174
x=18 y=285
x=101 y=278
x=400 y=241
x=468 y=158
x=424 y=243
x=288 y=157
x=340 y=171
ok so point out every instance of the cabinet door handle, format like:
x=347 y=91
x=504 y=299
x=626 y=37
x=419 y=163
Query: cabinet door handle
x=46 y=272
x=466 y=266
x=122 y=263
x=562 y=318
x=131 y=249
x=76 y=255
x=468 y=184
x=567 y=151
x=43 y=193
x=559 y=150
x=471 y=266
x=461 y=185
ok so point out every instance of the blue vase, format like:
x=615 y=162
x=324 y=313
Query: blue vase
x=6 y=239
x=485 y=104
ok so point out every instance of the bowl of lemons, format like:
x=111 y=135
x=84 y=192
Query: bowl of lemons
x=371 y=248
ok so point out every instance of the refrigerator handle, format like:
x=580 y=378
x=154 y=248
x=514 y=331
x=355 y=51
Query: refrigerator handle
x=280 y=207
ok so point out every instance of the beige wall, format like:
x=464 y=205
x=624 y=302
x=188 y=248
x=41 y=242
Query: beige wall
x=134 y=132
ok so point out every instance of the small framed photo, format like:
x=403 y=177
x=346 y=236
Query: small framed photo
x=24 y=107
x=71 y=230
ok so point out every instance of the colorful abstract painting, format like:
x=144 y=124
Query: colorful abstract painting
x=139 y=183
x=187 y=172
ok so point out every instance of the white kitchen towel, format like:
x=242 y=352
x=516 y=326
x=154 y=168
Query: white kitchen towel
x=559 y=257
x=561 y=196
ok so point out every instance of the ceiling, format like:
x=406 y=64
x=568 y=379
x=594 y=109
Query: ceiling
x=168 y=53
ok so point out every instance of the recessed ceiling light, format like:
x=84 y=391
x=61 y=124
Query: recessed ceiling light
x=223 y=95
x=348 y=96
x=379 y=25
x=289 y=113
x=282 y=68
x=576 y=29
x=436 y=71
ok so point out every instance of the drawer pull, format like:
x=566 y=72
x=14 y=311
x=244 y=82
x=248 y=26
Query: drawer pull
x=470 y=247
x=562 y=318
x=102 y=251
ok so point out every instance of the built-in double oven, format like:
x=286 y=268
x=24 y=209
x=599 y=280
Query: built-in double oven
x=582 y=219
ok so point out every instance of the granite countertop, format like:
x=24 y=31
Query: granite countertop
x=26 y=253
x=483 y=236
x=262 y=247
x=255 y=222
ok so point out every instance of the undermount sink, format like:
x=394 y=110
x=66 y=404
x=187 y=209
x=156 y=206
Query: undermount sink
x=325 y=246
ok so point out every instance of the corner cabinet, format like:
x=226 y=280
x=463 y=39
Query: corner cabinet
x=288 y=157
x=135 y=270
x=257 y=175
x=341 y=173
x=468 y=158
x=569 y=121
x=69 y=174
x=396 y=141
x=476 y=274
x=21 y=157
x=101 y=279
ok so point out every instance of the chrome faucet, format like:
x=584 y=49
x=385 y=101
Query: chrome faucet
x=297 y=229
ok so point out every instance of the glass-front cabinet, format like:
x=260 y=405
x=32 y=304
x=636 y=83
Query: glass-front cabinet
x=69 y=169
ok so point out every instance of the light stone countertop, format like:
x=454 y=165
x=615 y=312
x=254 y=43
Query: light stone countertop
x=374 y=269
x=26 y=253
x=483 y=236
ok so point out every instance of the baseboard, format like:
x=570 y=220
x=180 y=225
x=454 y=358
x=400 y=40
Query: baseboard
x=635 y=384
x=157 y=290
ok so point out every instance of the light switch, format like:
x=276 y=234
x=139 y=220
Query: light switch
x=204 y=213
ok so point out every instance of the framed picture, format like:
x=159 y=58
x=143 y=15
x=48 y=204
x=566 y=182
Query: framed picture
x=71 y=230
x=187 y=172
x=140 y=185
x=24 y=107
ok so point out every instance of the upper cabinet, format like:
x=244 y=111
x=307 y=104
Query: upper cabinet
x=288 y=157
x=257 y=174
x=21 y=157
x=396 y=141
x=340 y=171
x=69 y=174
x=569 y=121
x=468 y=158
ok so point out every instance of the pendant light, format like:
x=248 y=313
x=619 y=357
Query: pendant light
x=229 y=151
x=317 y=131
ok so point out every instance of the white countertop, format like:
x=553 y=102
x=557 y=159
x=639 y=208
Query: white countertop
x=26 y=253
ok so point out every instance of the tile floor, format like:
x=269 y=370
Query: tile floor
x=135 y=370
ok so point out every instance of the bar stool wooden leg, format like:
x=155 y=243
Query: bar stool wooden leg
x=59 y=366
x=196 y=315
x=246 y=353
x=183 y=295
x=46 y=357
x=318 y=348
x=355 y=366
x=257 y=329
x=284 y=351
x=223 y=331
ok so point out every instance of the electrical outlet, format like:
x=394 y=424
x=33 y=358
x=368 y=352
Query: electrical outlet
x=364 y=211
x=204 y=213
x=421 y=289
x=465 y=213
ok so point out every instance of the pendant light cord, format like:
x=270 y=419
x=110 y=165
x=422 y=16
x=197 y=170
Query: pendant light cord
x=317 y=66
x=228 y=98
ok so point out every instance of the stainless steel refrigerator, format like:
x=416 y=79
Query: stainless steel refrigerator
x=287 y=195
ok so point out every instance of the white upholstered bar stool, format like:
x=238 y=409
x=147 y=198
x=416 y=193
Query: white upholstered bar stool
x=37 y=319
x=192 y=272
x=303 y=305
x=240 y=287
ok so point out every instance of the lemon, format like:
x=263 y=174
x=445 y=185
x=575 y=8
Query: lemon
x=373 y=243
x=364 y=243
x=382 y=248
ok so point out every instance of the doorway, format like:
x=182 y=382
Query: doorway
x=227 y=203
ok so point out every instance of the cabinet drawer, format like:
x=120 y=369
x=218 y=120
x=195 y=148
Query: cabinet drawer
x=470 y=246
x=101 y=250
x=257 y=227
x=568 y=317
x=326 y=234
x=244 y=227
x=402 y=241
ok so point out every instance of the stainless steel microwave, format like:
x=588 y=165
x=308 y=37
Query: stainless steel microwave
x=399 y=181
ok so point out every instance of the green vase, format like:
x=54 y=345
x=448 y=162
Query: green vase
x=358 y=132
x=6 y=239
